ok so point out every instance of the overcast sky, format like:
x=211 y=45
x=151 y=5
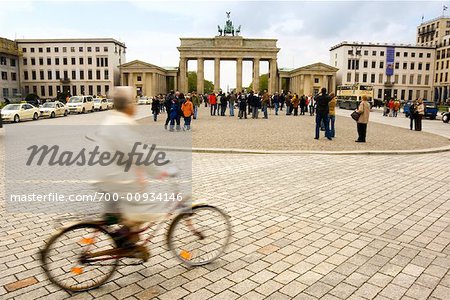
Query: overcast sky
x=151 y=30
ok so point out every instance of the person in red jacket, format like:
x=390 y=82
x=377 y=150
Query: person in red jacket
x=188 y=110
x=391 y=107
x=213 y=102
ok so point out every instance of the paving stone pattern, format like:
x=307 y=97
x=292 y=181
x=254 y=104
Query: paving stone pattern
x=304 y=227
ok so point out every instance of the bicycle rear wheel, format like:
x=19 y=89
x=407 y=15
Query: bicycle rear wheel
x=67 y=257
x=199 y=237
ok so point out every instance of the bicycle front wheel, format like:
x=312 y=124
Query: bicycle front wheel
x=77 y=259
x=200 y=236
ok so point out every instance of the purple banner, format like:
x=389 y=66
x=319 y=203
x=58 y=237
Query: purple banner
x=390 y=56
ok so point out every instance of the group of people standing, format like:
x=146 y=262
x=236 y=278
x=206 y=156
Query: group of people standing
x=416 y=112
x=391 y=108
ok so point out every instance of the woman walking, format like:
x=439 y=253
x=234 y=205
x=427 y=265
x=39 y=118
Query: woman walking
x=332 y=113
x=364 y=110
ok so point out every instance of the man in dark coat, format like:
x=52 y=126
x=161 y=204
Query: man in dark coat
x=322 y=101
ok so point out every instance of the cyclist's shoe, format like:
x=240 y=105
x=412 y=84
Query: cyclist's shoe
x=137 y=251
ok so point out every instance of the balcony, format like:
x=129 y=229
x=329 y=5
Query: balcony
x=65 y=80
x=388 y=84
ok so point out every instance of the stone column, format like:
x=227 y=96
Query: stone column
x=216 y=75
x=200 y=75
x=256 y=75
x=272 y=76
x=144 y=84
x=239 y=75
x=154 y=85
x=302 y=85
x=325 y=82
x=183 y=75
x=280 y=84
x=333 y=83
x=122 y=79
x=175 y=83
x=311 y=84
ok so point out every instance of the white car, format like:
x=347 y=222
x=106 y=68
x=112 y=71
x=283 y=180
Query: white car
x=110 y=103
x=80 y=104
x=18 y=112
x=144 y=101
x=100 y=104
x=53 y=109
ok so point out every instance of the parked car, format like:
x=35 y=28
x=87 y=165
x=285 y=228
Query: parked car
x=18 y=112
x=100 y=104
x=144 y=100
x=53 y=109
x=431 y=109
x=110 y=103
x=80 y=104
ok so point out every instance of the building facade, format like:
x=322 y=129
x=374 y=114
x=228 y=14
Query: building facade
x=76 y=66
x=394 y=70
x=9 y=69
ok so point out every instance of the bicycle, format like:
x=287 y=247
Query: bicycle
x=202 y=240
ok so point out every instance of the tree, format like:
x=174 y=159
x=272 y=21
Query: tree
x=263 y=83
x=192 y=83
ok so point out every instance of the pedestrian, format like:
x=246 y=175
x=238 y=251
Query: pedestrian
x=396 y=107
x=302 y=105
x=223 y=103
x=155 y=108
x=232 y=101
x=419 y=115
x=391 y=107
x=168 y=105
x=187 y=109
x=276 y=102
x=242 y=105
x=311 y=105
x=175 y=111
x=265 y=102
x=196 y=102
x=212 y=99
x=288 y=104
x=364 y=110
x=295 y=102
x=412 y=115
x=332 y=114
x=282 y=100
x=322 y=101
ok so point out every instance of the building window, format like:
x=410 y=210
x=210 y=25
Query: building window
x=106 y=75
x=411 y=79
x=410 y=95
x=41 y=50
x=438 y=54
x=74 y=75
x=372 y=78
x=57 y=61
x=49 y=61
x=13 y=62
x=397 y=65
x=427 y=66
x=106 y=61
x=97 y=49
x=33 y=75
x=98 y=74
x=49 y=75
x=397 y=54
x=81 y=60
x=13 y=76
x=396 y=79
x=32 y=50
x=380 y=78
x=73 y=61
x=366 y=52
x=380 y=93
x=42 y=90
x=64 y=49
x=5 y=92
x=72 y=49
x=364 y=78
x=41 y=61
x=405 y=66
x=24 y=50
x=2 y=60
x=140 y=79
x=412 y=66
x=4 y=76
x=48 y=49
x=381 y=64
x=105 y=49
x=66 y=75
x=81 y=75
x=381 y=53
x=89 y=49
x=419 y=79
x=89 y=60
x=419 y=66
x=34 y=89
x=106 y=89
x=80 y=49
x=50 y=91
x=428 y=55
x=374 y=53
x=350 y=52
x=427 y=79
x=405 y=54
x=90 y=75
x=25 y=61
x=57 y=75
x=413 y=54
x=41 y=75
x=65 y=61
x=349 y=77
x=420 y=55
x=56 y=49
x=91 y=89
x=25 y=75
x=374 y=64
x=99 y=89
x=33 y=61
x=74 y=90
x=365 y=64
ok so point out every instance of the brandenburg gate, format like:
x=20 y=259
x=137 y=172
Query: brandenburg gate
x=228 y=46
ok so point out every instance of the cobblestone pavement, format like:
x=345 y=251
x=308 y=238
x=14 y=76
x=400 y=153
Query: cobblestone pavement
x=305 y=227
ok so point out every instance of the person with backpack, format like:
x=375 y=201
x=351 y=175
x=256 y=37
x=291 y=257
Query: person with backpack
x=167 y=106
x=242 y=105
x=155 y=108
x=175 y=112
x=188 y=110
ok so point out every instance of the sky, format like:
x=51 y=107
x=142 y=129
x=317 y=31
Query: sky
x=151 y=30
